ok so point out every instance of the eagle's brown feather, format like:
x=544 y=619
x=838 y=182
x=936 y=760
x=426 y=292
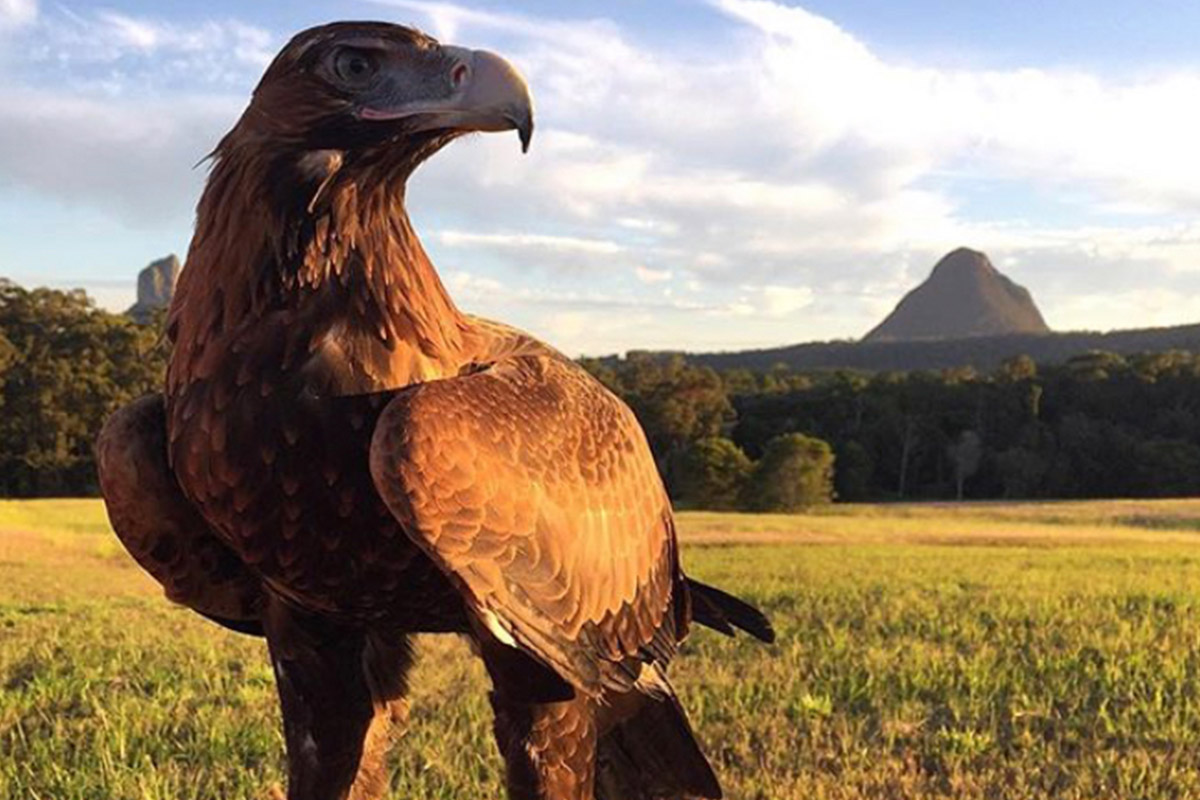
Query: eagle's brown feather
x=534 y=488
x=162 y=530
x=342 y=458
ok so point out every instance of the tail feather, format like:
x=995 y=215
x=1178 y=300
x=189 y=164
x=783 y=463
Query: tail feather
x=653 y=754
x=723 y=612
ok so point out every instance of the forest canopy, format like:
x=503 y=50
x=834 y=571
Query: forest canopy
x=1098 y=425
x=64 y=366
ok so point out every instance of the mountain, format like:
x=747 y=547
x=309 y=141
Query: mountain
x=156 y=284
x=966 y=314
x=964 y=296
x=981 y=352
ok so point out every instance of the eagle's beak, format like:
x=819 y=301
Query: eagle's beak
x=488 y=95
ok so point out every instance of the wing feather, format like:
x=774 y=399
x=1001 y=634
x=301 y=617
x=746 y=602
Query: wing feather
x=533 y=488
x=163 y=532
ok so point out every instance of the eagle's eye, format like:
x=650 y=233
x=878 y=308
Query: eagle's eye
x=354 y=67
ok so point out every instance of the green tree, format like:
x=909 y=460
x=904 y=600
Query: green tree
x=1096 y=365
x=66 y=366
x=1165 y=468
x=855 y=468
x=795 y=471
x=675 y=402
x=710 y=473
x=740 y=381
x=1016 y=369
x=1021 y=471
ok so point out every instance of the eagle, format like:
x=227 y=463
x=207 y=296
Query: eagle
x=341 y=458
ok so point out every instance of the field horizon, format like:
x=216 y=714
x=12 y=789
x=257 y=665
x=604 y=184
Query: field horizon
x=977 y=650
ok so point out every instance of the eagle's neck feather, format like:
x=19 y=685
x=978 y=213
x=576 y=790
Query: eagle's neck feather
x=333 y=246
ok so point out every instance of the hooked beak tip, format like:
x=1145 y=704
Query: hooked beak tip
x=525 y=133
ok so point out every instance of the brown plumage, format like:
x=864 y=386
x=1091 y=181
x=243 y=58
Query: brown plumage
x=341 y=458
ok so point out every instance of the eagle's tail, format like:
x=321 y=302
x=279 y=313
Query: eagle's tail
x=653 y=754
x=723 y=612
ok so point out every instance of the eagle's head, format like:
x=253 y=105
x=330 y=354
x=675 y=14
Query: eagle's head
x=304 y=206
x=376 y=90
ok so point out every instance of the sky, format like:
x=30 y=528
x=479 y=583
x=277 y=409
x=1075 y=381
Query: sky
x=706 y=174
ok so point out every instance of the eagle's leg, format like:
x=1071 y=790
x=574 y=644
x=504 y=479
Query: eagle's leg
x=161 y=529
x=548 y=744
x=549 y=749
x=342 y=694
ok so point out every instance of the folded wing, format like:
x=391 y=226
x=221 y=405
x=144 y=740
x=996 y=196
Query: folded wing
x=533 y=488
x=162 y=530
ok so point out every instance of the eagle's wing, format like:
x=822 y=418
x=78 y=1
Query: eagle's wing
x=533 y=487
x=163 y=531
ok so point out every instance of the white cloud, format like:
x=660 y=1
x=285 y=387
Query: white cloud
x=1045 y=126
x=121 y=53
x=132 y=158
x=232 y=40
x=1150 y=306
x=528 y=241
x=792 y=170
x=780 y=301
x=16 y=13
x=114 y=111
x=470 y=282
x=132 y=33
x=801 y=155
x=647 y=275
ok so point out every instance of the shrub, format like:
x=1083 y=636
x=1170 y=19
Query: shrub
x=795 y=471
x=710 y=473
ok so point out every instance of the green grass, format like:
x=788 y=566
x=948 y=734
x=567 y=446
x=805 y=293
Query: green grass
x=975 y=651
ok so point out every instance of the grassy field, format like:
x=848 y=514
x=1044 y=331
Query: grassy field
x=974 y=651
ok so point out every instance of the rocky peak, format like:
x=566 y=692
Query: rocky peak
x=965 y=295
x=155 y=285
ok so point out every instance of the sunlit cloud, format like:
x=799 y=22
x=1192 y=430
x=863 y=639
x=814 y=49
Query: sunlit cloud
x=528 y=241
x=17 y=13
x=647 y=275
x=792 y=184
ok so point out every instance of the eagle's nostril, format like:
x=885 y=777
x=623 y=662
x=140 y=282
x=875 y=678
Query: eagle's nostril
x=459 y=75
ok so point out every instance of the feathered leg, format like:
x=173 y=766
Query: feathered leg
x=548 y=744
x=549 y=749
x=342 y=694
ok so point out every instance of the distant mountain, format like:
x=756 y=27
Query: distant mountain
x=964 y=296
x=982 y=352
x=966 y=314
x=156 y=284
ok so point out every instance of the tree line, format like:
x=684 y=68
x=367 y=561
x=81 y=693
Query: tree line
x=65 y=365
x=1098 y=425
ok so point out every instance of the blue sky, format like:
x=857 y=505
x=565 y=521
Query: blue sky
x=707 y=175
